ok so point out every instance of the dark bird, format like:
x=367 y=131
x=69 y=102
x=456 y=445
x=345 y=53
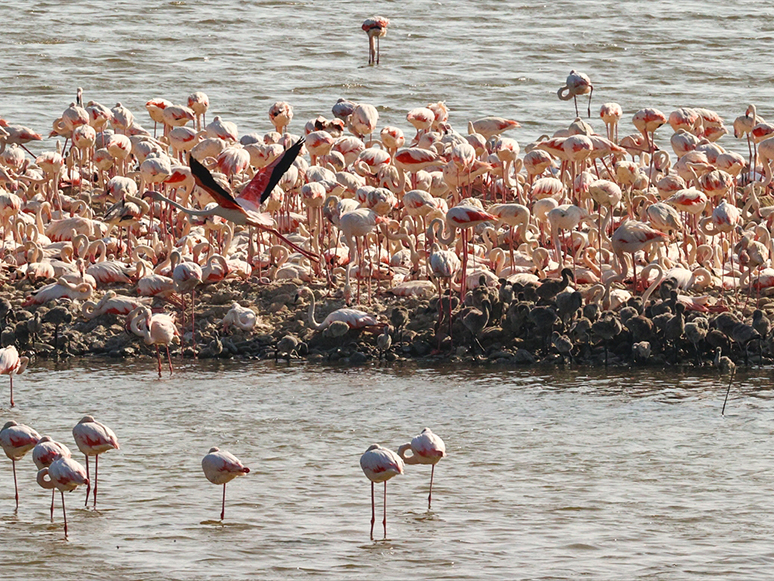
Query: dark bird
x=607 y=328
x=476 y=321
x=553 y=286
x=725 y=365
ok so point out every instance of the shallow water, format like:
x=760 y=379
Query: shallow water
x=568 y=474
x=550 y=475
x=482 y=58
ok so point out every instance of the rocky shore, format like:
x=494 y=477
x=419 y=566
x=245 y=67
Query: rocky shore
x=518 y=331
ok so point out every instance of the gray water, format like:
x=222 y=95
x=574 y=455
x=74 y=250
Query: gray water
x=550 y=474
x=487 y=57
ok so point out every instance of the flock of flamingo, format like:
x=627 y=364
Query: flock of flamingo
x=57 y=470
x=535 y=239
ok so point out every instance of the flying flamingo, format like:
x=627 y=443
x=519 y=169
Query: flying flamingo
x=221 y=467
x=159 y=329
x=375 y=27
x=11 y=364
x=45 y=452
x=65 y=474
x=576 y=84
x=242 y=210
x=426 y=448
x=17 y=440
x=379 y=465
x=93 y=438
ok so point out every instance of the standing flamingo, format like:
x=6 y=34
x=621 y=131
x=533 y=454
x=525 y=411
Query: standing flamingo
x=45 y=452
x=187 y=276
x=465 y=216
x=11 y=364
x=379 y=465
x=65 y=474
x=576 y=84
x=93 y=438
x=632 y=236
x=221 y=467
x=159 y=329
x=17 y=440
x=426 y=448
x=375 y=27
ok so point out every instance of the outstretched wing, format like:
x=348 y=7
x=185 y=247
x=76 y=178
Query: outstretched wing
x=205 y=181
x=267 y=177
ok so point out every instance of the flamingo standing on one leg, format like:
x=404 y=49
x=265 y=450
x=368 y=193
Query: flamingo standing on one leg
x=93 y=438
x=221 y=467
x=11 y=364
x=375 y=27
x=45 y=453
x=379 y=465
x=65 y=474
x=426 y=448
x=17 y=440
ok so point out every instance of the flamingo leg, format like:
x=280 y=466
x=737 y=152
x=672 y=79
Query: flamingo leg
x=384 y=521
x=10 y=376
x=373 y=511
x=223 y=506
x=53 y=496
x=64 y=512
x=158 y=358
x=88 y=486
x=193 y=316
x=169 y=358
x=15 y=484
x=96 y=469
x=430 y=496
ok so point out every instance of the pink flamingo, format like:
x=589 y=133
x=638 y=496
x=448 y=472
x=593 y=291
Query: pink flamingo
x=375 y=27
x=465 y=217
x=576 y=84
x=611 y=114
x=46 y=452
x=355 y=318
x=187 y=276
x=11 y=364
x=159 y=329
x=93 y=438
x=66 y=475
x=632 y=236
x=379 y=465
x=426 y=448
x=221 y=467
x=16 y=440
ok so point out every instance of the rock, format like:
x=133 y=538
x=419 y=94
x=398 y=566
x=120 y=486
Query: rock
x=523 y=356
x=358 y=358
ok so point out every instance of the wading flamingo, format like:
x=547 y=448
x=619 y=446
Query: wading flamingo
x=379 y=465
x=426 y=448
x=64 y=474
x=221 y=467
x=16 y=440
x=92 y=439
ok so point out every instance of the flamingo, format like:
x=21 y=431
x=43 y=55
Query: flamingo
x=45 y=452
x=375 y=27
x=221 y=467
x=93 y=439
x=280 y=115
x=241 y=317
x=16 y=440
x=576 y=84
x=187 y=276
x=465 y=216
x=199 y=102
x=426 y=448
x=379 y=465
x=355 y=318
x=611 y=114
x=647 y=121
x=242 y=210
x=66 y=475
x=11 y=364
x=632 y=236
x=159 y=329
